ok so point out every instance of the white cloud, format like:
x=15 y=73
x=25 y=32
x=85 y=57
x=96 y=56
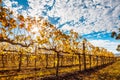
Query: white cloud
x=98 y=15
x=9 y=4
x=104 y=19
x=110 y=46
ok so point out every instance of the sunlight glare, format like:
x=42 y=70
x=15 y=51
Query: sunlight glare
x=35 y=29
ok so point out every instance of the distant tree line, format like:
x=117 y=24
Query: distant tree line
x=116 y=35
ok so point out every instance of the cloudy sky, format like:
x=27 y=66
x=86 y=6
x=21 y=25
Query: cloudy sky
x=93 y=19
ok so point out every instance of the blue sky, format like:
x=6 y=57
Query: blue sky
x=93 y=19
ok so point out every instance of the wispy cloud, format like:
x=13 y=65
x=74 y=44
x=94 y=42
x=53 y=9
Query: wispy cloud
x=93 y=15
x=111 y=46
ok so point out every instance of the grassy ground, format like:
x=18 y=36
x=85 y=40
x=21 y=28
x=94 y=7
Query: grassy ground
x=111 y=72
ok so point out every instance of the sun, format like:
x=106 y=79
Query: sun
x=35 y=29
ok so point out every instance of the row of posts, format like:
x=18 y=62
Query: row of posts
x=104 y=60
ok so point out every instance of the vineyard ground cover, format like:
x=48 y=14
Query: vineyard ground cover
x=28 y=73
x=32 y=73
x=105 y=72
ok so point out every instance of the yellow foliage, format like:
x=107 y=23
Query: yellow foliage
x=0 y=1
x=20 y=17
x=22 y=25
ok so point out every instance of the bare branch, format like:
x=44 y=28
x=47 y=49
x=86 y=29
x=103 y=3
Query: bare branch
x=14 y=43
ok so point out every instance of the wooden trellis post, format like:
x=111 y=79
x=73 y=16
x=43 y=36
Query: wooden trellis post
x=79 y=62
x=72 y=60
x=97 y=60
x=27 y=56
x=54 y=60
x=57 y=66
x=90 y=60
x=101 y=60
x=3 y=60
x=46 y=60
x=20 y=61
x=61 y=60
x=35 y=57
x=84 y=56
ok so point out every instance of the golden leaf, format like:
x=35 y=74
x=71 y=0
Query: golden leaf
x=4 y=35
x=21 y=18
x=22 y=25
x=1 y=35
x=12 y=21
x=28 y=28
x=3 y=30
x=4 y=23
x=0 y=1
x=14 y=25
